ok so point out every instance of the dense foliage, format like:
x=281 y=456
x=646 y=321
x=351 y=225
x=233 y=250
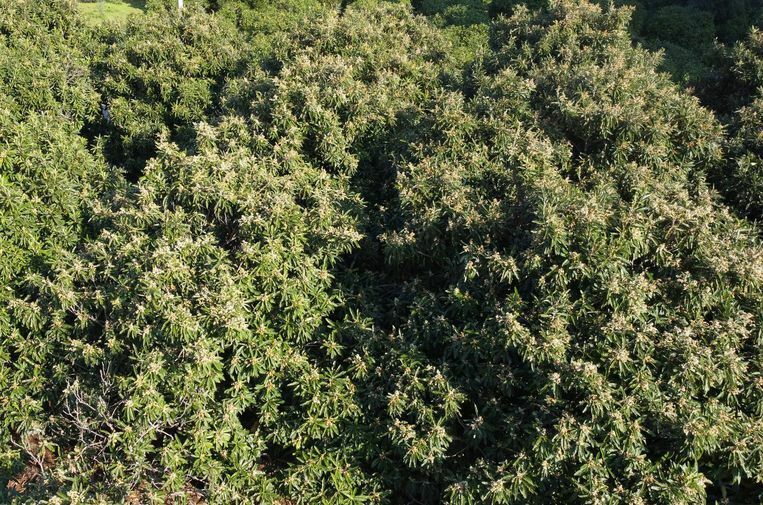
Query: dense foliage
x=339 y=252
x=738 y=96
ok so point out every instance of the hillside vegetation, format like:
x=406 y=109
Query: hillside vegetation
x=311 y=251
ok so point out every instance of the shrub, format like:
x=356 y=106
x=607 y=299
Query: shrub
x=557 y=259
x=162 y=71
x=41 y=65
x=748 y=62
x=346 y=276
x=743 y=184
x=266 y=21
x=738 y=93
x=189 y=345
x=48 y=186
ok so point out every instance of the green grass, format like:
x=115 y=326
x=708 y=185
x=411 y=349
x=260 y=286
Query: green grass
x=110 y=10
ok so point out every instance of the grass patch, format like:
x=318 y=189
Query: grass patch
x=110 y=10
